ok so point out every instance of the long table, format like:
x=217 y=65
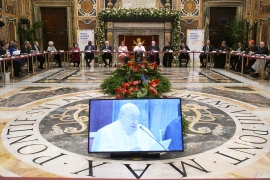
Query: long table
x=66 y=57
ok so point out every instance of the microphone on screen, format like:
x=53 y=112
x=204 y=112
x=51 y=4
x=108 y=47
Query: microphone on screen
x=153 y=138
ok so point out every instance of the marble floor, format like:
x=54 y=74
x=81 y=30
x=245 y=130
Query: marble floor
x=228 y=135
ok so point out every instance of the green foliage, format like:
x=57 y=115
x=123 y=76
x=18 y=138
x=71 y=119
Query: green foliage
x=111 y=83
x=237 y=31
x=28 y=34
x=185 y=123
x=136 y=13
x=134 y=73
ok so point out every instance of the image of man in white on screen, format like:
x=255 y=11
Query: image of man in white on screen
x=125 y=134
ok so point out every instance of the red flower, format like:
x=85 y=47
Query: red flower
x=135 y=83
x=153 y=83
x=119 y=96
x=135 y=69
x=127 y=92
x=125 y=85
x=153 y=90
x=133 y=89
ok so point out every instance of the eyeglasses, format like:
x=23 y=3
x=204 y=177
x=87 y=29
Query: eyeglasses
x=133 y=120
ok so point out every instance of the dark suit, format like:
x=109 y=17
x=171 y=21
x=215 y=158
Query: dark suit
x=154 y=57
x=89 y=55
x=40 y=58
x=235 y=59
x=221 y=58
x=27 y=50
x=107 y=55
x=250 y=62
x=203 y=56
x=167 y=58
x=184 y=55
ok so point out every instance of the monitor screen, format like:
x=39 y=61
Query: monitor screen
x=135 y=125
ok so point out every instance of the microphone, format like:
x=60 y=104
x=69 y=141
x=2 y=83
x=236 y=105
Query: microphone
x=153 y=138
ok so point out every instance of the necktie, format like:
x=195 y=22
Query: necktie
x=89 y=48
x=207 y=48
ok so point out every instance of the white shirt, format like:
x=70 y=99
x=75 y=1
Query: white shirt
x=113 y=138
x=137 y=48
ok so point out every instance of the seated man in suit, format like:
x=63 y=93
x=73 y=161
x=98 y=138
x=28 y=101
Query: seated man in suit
x=252 y=48
x=220 y=60
x=235 y=59
x=27 y=49
x=259 y=63
x=184 y=54
x=139 y=52
x=154 y=57
x=89 y=55
x=40 y=58
x=207 y=48
x=107 y=55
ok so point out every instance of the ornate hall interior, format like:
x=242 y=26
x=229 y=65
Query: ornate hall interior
x=44 y=111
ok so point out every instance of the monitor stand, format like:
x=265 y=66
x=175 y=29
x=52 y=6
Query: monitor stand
x=135 y=155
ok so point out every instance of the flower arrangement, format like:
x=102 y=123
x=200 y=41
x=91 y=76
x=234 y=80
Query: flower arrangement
x=137 y=80
x=149 y=13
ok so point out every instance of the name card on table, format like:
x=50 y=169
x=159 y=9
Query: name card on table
x=155 y=51
x=64 y=51
x=88 y=51
x=201 y=51
x=12 y=57
x=52 y=51
x=22 y=55
x=188 y=51
x=214 y=51
x=1 y=59
x=170 y=51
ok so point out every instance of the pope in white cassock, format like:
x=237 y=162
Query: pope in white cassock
x=125 y=134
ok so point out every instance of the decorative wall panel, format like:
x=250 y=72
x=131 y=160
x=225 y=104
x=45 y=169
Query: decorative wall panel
x=190 y=7
x=185 y=25
x=265 y=31
x=248 y=7
x=87 y=24
x=11 y=29
x=10 y=6
x=257 y=6
x=265 y=5
x=87 y=7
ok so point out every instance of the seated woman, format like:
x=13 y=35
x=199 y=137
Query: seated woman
x=123 y=52
x=167 y=58
x=75 y=55
x=57 y=56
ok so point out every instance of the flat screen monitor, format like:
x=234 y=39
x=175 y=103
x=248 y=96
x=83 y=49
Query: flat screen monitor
x=135 y=125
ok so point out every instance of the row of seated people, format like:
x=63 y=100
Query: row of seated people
x=11 y=49
x=253 y=65
x=140 y=53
